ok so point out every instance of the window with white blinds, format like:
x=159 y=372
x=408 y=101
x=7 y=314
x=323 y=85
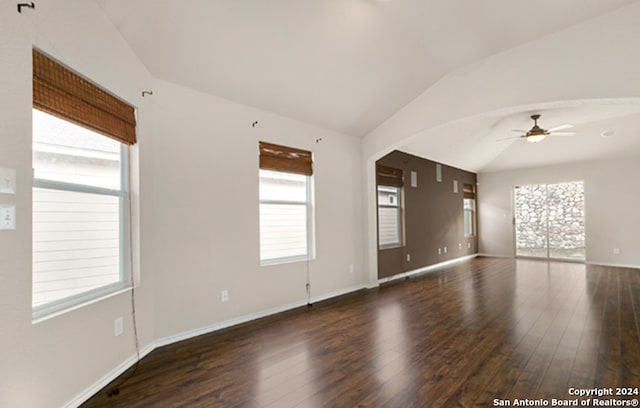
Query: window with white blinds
x=469 y=207
x=285 y=217
x=80 y=228
x=389 y=217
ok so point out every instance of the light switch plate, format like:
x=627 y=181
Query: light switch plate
x=7 y=181
x=7 y=217
x=118 y=326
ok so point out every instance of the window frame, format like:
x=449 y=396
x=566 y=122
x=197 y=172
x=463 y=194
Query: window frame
x=309 y=214
x=472 y=211
x=125 y=279
x=398 y=207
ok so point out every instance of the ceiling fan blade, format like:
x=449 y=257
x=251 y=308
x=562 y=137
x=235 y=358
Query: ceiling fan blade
x=562 y=133
x=508 y=138
x=519 y=131
x=561 y=127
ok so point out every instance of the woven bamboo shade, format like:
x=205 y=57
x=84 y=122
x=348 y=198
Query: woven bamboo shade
x=63 y=93
x=388 y=176
x=286 y=159
x=469 y=191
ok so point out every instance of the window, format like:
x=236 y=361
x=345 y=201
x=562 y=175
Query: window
x=389 y=181
x=469 y=207
x=80 y=191
x=389 y=217
x=286 y=204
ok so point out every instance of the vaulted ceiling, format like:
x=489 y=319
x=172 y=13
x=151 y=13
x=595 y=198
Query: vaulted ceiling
x=347 y=65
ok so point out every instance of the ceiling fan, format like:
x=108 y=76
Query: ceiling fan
x=537 y=134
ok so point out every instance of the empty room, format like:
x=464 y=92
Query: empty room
x=337 y=203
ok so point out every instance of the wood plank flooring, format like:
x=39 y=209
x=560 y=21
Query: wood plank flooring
x=459 y=337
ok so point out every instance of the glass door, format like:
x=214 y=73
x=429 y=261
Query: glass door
x=549 y=220
x=530 y=206
x=565 y=206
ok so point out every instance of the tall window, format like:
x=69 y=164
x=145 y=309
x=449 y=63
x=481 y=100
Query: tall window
x=80 y=189
x=286 y=204
x=469 y=207
x=549 y=220
x=389 y=182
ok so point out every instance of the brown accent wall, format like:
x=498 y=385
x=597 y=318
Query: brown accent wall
x=433 y=216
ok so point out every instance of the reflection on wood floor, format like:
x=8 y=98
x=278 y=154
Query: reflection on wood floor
x=458 y=337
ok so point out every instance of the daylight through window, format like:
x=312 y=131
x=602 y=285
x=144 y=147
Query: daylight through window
x=79 y=206
x=286 y=204
x=81 y=134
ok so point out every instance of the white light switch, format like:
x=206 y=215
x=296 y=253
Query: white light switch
x=7 y=217
x=7 y=181
x=118 y=326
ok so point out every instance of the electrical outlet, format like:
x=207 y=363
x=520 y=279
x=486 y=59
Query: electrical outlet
x=7 y=217
x=118 y=326
x=7 y=181
x=445 y=250
x=350 y=268
x=224 y=295
x=616 y=251
x=408 y=257
x=469 y=245
x=459 y=246
x=439 y=251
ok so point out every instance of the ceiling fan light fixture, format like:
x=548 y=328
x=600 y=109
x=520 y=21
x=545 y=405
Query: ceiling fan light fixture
x=536 y=138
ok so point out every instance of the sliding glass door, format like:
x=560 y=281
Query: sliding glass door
x=549 y=220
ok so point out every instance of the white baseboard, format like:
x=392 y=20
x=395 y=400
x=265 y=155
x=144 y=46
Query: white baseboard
x=247 y=318
x=426 y=269
x=128 y=363
x=612 y=264
x=112 y=375
x=496 y=255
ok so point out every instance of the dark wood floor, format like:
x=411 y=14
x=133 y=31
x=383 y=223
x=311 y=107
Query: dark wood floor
x=458 y=337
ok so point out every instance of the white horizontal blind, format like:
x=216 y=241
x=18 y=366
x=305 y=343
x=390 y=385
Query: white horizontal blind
x=284 y=216
x=79 y=214
x=389 y=216
x=76 y=243
x=388 y=231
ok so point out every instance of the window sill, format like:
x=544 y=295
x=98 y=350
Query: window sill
x=43 y=315
x=279 y=261
x=382 y=248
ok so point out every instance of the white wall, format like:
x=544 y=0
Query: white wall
x=612 y=219
x=557 y=68
x=48 y=363
x=205 y=211
x=195 y=211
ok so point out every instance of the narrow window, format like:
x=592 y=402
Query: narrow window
x=80 y=189
x=389 y=182
x=469 y=207
x=286 y=204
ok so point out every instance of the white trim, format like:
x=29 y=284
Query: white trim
x=426 y=269
x=128 y=363
x=596 y=263
x=612 y=264
x=496 y=255
x=95 y=296
x=253 y=316
x=372 y=285
x=112 y=375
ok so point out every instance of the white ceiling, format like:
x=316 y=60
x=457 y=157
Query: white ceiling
x=349 y=65
x=475 y=144
x=345 y=65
